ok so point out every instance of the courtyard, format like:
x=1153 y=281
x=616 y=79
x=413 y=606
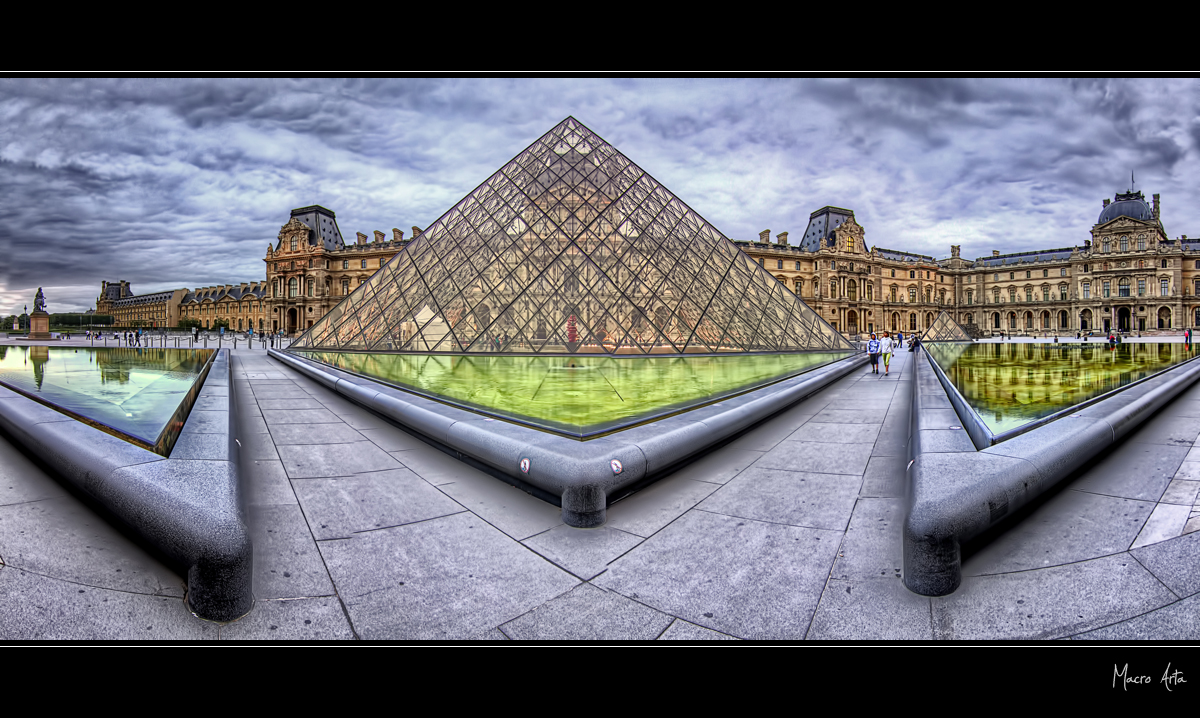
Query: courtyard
x=788 y=532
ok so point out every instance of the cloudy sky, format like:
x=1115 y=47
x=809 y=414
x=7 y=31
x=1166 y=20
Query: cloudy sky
x=183 y=183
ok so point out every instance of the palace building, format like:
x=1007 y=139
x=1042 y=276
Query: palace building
x=1128 y=277
x=310 y=268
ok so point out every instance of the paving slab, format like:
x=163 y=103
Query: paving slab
x=585 y=553
x=795 y=498
x=392 y=439
x=767 y=435
x=589 y=613
x=265 y=483
x=830 y=433
x=684 y=631
x=289 y=404
x=746 y=578
x=1167 y=429
x=718 y=466
x=1071 y=526
x=1133 y=471
x=1179 y=621
x=452 y=578
x=304 y=619
x=884 y=477
x=817 y=458
x=1174 y=562
x=278 y=391
x=1049 y=603
x=339 y=433
x=21 y=480
x=339 y=507
x=39 y=608
x=300 y=416
x=879 y=609
x=1166 y=522
x=1181 y=492
x=316 y=461
x=63 y=539
x=516 y=513
x=657 y=505
x=286 y=561
x=871 y=548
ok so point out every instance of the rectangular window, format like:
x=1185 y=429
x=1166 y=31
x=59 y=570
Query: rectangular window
x=1142 y=287
x=797 y=266
x=1029 y=294
x=364 y=264
x=1087 y=291
x=381 y=261
x=1163 y=288
x=1062 y=293
x=995 y=277
x=969 y=295
x=1123 y=289
x=761 y=262
x=1045 y=294
x=345 y=264
x=779 y=264
x=1105 y=289
x=1062 y=272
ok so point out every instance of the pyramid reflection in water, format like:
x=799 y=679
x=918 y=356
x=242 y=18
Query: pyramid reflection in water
x=570 y=248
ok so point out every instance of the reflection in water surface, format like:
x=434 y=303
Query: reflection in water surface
x=137 y=392
x=576 y=394
x=1010 y=385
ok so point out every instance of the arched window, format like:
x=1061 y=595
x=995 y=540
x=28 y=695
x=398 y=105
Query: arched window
x=1124 y=244
x=1105 y=250
x=1141 y=242
x=1123 y=287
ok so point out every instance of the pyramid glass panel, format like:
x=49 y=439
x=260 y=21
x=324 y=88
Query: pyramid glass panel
x=945 y=329
x=572 y=250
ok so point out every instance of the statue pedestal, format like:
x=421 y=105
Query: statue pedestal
x=39 y=325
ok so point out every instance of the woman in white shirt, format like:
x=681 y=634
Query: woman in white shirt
x=886 y=347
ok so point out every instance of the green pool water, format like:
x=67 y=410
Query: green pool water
x=580 y=395
x=1010 y=385
x=141 y=395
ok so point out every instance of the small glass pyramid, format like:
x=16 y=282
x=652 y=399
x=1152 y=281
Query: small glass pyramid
x=570 y=248
x=945 y=329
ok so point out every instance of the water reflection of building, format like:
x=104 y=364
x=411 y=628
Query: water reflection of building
x=1129 y=276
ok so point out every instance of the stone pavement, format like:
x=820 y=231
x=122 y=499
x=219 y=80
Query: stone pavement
x=789 y=532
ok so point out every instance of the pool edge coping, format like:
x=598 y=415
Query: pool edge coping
x=189 y=505
x=956 y=492
x=583 y=474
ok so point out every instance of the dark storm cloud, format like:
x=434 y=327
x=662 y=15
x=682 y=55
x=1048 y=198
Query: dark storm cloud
x=183 y=183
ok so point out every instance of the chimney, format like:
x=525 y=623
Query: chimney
x=1105 y=203
x=995 y=253
x=765 y=236
x=397 y=235
x=362 y=238
x=379 y=236
x=1155 y=207
x=781 y=238
x=416 y=231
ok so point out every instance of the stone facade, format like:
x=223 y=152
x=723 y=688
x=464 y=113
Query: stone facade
x=155 y=310
x=310 y=269
x=1129 y=277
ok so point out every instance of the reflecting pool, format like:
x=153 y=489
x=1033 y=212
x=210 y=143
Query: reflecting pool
x=1010 y=385
x=140 y=395
x=576 y=395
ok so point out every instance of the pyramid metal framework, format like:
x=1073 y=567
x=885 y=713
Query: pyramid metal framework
x=570 y=248
x=945 y=329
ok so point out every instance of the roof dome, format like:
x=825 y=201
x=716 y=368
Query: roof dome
x=1132 y=205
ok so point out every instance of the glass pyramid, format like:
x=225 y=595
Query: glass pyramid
x=945 y=329
x=570 y=248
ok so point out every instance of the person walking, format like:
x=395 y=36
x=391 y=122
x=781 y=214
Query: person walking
x=873 y=353
x=886 y=347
